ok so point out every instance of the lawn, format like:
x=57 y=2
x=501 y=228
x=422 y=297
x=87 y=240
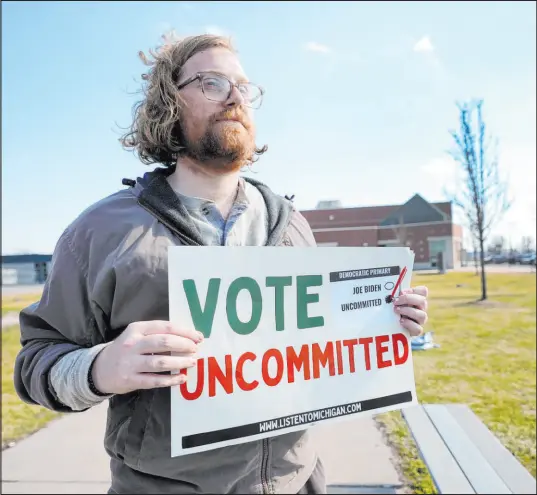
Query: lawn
x=14 y=303
x=18 y=419
x=486 y=360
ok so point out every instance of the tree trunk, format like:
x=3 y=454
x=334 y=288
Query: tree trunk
x=476 y=261
x=482 y=258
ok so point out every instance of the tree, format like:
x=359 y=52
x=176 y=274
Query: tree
x=474 y=247
x=482 y=195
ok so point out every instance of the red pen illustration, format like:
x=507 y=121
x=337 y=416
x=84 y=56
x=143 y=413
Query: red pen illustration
x=391 y=297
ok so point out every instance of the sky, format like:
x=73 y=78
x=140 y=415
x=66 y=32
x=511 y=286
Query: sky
x=360 y=99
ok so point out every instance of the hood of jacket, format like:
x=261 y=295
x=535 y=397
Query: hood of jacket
x=155 y=194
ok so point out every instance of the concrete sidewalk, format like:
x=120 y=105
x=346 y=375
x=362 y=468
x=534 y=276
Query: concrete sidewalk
x=68 y=457
x=65 y=457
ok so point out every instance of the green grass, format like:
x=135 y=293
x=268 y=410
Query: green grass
x=486 y=360
x=14 y=303
x=18 y=419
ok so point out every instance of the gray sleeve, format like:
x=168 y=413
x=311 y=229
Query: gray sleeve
x=69 y=379
x=60 y=323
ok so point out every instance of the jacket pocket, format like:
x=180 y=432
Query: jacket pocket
x=137 y=427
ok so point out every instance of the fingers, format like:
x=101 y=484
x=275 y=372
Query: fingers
x=166 y=327
x=148 y=381
x=421 y=290
x=154 y=343
x=417 y=300
x=413 y=328
x=412 y=306
x=158 y=364
x=419 y=316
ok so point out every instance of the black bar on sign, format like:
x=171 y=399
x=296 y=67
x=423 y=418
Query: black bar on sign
x=386 y=271
x=209 y=437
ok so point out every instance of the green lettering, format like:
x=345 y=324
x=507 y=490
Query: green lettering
x=202 y=318
x=244 y=328
x=279 y=283
x=303 y=299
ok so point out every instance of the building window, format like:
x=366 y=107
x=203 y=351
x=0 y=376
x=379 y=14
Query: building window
x=435 y=247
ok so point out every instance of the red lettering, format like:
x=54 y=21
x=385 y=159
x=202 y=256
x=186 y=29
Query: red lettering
x=320 y=358
x=366 y=341
x=298 y=362
x=241 y=382
x=382 y=339
x=350 y=345
x=339 y=358
x=305 y=363
x=397 y=357
x=276 y=354
x=215 y=373
x=199 y=387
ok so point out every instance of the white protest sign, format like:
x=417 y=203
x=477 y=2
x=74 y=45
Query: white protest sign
x=292 y=337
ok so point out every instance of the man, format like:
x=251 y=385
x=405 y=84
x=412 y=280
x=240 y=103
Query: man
x=101 y=330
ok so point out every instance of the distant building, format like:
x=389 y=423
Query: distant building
x=25 y=269
x=426 y=228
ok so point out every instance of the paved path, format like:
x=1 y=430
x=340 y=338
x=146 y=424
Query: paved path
x=500 y=268
x=68 y=457
x=11 y=290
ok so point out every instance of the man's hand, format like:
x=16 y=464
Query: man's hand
x=411 y=305
x=132 y=361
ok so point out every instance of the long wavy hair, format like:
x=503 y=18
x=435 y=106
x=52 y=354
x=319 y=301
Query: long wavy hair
x=155 y=134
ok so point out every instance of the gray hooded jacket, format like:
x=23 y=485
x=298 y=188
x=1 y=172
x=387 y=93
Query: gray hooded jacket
x=109 y=269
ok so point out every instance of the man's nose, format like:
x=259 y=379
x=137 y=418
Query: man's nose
x=235 y=98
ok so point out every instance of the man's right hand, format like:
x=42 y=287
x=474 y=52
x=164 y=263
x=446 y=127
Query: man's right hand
x=132 y=361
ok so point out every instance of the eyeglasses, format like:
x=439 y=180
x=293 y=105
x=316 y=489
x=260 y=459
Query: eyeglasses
x=217 y=87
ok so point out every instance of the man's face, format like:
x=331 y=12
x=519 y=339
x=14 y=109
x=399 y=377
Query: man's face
x=220 y=133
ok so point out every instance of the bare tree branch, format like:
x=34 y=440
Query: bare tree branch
x=482 y=195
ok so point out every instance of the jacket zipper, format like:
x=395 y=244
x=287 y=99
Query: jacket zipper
x=282 y=241
x=284 y=238
x=264 y=467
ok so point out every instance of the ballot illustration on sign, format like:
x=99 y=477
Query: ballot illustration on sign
x=358 y=290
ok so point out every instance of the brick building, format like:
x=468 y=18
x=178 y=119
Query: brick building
x=426 y=228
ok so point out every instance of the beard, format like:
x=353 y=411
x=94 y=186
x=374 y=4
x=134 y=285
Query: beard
x=224 y=145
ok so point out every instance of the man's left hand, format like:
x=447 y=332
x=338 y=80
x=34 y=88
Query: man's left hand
x=411 y=305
